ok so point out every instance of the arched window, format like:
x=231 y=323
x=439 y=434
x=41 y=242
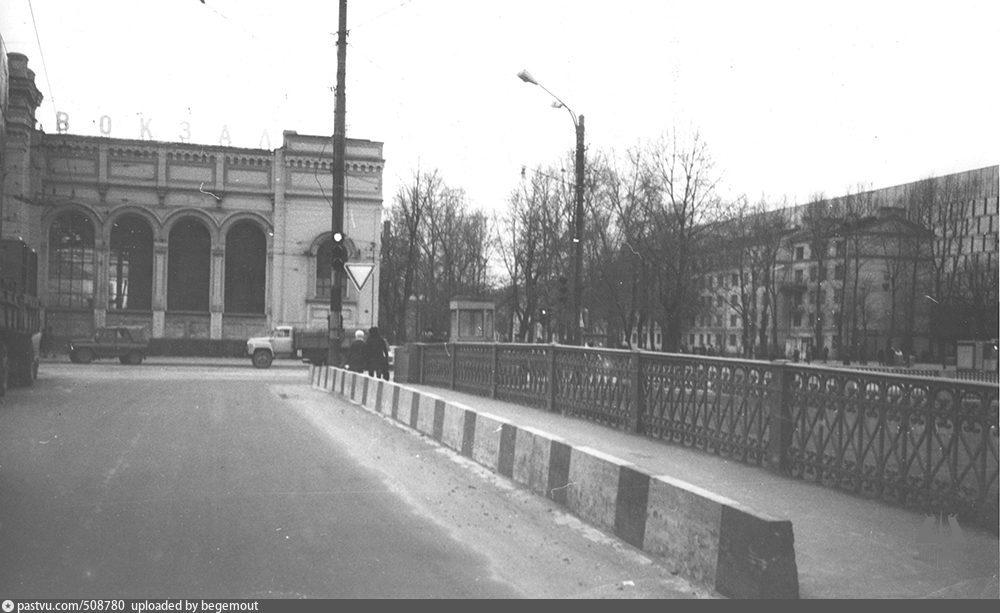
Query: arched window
x=189 y=256
x=246 y=262
x=323 y=280
x=130 y=265
x=71 y=262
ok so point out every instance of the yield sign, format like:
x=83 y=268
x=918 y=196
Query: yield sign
x=359 y=272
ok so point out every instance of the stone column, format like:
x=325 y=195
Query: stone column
x=159 y=287
x=216 y=302
x=100 y=281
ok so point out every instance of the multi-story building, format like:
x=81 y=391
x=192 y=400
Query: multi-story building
x=189 y=241
x=912 y=267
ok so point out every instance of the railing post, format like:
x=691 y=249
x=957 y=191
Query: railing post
x=454 y=354
x=550 y=399
x=638 y=408
x=780 y=418
x=420 y=364
x=493 y=372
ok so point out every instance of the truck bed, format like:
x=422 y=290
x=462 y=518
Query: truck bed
x=315 y=338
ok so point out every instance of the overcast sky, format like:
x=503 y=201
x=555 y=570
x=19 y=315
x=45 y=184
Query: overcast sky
x=792 y=98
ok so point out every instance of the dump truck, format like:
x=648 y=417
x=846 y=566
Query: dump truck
x=309 y=344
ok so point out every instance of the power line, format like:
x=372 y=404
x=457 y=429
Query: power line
x=383 y=14
x=41 y=54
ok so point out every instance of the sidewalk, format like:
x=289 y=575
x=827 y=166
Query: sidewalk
x=845 y=546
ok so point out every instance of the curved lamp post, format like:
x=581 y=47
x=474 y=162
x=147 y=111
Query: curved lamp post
x=576 y=336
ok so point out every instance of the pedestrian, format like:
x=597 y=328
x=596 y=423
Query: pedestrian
x=356 y=353
x=377 y=355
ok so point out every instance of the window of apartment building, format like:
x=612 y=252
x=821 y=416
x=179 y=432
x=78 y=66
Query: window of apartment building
x=734 y=279
x=719 y=301
x=718 y=340
x=718 y=321
x=797 y=319
x=732 y=340
x=701 y=340
x=734 y=321
x=798 y=275
x=800 y=253
x=838 y=249
x=838 y=272
x=690 y=339
x=734 y=300
x=720 y=279
x=812 y=273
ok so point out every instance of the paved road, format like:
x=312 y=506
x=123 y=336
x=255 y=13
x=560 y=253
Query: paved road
x=183 y=478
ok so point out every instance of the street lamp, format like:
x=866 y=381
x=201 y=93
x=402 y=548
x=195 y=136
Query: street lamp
x=576 y=338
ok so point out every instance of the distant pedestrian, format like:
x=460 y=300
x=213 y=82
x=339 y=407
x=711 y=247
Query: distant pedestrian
x=356 y=353
x=377 y=355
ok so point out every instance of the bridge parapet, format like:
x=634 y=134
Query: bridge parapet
x=927 y=443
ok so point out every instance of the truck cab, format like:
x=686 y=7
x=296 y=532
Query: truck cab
x=279 y=343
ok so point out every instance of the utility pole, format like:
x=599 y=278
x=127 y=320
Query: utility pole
x=576 y=333
x=337 y=223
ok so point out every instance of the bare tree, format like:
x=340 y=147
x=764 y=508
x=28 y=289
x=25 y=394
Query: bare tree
x=683 y=182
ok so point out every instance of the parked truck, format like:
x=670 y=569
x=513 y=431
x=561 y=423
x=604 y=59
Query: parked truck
x=310 y=344
x=20 y=315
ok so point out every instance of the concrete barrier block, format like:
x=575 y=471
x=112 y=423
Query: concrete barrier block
x=592 y=492
x=682 y=526
x=404 y=406
x=756 y=556
x=486 y=444
x=532 y=450
x=372 y=394
x=425 y=414
x=453 y=426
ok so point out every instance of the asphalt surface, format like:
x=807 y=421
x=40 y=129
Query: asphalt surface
x=209 y=478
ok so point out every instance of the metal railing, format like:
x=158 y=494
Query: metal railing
x=927 y=443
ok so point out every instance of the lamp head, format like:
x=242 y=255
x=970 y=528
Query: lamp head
x=525 y=76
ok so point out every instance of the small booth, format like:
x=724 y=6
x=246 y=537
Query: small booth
x=472 y=319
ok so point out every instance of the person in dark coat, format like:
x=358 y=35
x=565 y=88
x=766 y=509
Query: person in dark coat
x=377 y=355
x=356 y=353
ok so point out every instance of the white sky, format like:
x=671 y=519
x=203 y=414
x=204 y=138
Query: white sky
x=793 y=98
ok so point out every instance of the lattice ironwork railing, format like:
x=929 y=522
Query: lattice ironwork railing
x=595 y=385
x=523 y=374
x=474 y=368
x=720 y=406
x=926 y=443
x=435 y=364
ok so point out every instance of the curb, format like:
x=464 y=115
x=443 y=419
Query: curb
x=709 y=539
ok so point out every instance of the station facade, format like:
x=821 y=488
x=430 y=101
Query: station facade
x=188 y=241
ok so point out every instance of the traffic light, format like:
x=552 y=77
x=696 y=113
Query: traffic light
x=338 y=252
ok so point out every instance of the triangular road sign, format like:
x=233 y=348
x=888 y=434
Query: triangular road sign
x=359 y=272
